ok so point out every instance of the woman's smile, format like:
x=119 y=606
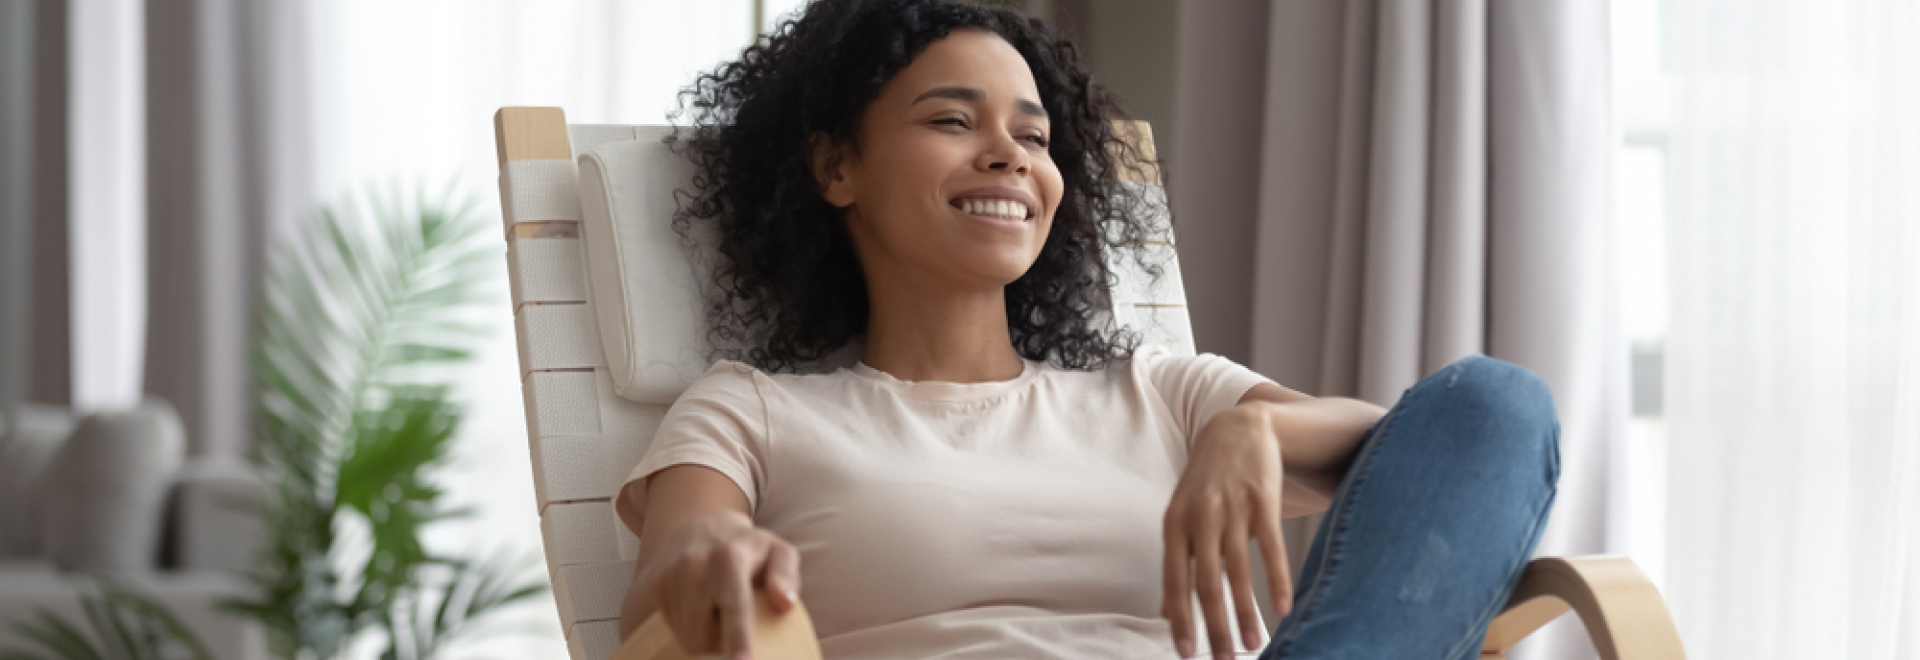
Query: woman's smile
x=997 y=206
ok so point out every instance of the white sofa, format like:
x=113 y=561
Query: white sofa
x=123 y=501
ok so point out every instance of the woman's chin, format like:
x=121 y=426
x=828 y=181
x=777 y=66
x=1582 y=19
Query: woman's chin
x=999 y=272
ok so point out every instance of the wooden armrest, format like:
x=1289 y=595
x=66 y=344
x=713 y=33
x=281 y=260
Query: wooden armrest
x=775 y=636
x=1623 y=613
x=1622 y=610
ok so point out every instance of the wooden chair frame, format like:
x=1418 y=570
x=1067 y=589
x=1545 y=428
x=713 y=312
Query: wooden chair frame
x=1622 y=611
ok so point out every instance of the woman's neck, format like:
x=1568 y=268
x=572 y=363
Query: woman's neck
x=956 y=337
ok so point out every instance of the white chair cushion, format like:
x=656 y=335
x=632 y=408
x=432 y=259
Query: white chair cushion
x=647 y=290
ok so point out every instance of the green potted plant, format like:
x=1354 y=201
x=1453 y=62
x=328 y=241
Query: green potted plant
x=364 y=312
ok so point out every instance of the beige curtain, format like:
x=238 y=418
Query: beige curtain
x=1381 y=187
x=229 y=157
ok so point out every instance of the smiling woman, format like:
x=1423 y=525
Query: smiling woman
x=1003 y=473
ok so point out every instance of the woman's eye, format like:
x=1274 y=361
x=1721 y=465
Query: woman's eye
x=951 y=121
x=1038 y=140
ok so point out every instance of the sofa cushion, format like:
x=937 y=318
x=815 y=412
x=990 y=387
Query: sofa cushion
x=107 y=490
x=30 y=434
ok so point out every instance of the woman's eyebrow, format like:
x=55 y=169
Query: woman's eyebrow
x=974 y=95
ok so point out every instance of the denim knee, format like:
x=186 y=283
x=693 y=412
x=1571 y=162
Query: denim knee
x=1508 y=396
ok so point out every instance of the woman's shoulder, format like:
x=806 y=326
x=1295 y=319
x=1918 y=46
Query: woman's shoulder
x=726 y=374
x=1145 y=354
x=1121 y=373
x=726 y=382
x=1143 y=359
x=737 y=375
x=1161 y=367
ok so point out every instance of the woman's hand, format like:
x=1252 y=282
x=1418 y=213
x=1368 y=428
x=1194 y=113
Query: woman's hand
x=704 y=580
x=1230 y=492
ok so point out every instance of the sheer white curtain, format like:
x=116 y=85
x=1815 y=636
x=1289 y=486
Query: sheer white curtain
x=1794 y=347
x=107 y=229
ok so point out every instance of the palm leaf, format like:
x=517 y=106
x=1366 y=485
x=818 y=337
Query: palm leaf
x=57 y=636
x=435 y=617
x=151 y=613
x=363 y=307
x=128 y=624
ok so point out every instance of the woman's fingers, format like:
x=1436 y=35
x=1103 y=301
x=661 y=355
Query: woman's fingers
x=1206 y=578
x=733 y=582
x=782 y=575
x=1174 y=585
x=689 y=610
x=1273 y=549
x=1240 y=579
x=705 y=587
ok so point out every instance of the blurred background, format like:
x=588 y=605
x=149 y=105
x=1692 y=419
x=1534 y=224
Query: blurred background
x=1698 y=219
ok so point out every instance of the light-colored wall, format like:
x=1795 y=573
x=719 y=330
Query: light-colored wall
x=1131 y=47
x=1185 y=69
x=1217 y=118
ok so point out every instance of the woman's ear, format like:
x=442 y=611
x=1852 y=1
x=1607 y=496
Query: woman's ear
x=835 y=186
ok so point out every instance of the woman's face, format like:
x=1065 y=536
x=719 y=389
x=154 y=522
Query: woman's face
x=951 y=185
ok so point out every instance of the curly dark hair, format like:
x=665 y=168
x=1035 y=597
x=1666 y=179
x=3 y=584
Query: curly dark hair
x=790 y=288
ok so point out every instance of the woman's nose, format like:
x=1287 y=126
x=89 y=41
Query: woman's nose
x=1004 y=156
x=1021 y=168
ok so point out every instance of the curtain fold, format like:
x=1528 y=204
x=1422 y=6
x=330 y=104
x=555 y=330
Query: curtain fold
x=1433 y=181
x=229 y=158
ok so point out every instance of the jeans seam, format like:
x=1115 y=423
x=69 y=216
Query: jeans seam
x=1515 y=570
x=1336 y=535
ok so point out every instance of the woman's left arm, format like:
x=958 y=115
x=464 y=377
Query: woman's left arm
x=1318 y=438
x=1276 y=453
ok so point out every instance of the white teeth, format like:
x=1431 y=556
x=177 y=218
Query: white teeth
x=997 y=207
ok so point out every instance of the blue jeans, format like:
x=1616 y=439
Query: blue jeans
x=1433 y=523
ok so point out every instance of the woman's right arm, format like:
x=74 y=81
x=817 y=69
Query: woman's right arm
x=699 y=552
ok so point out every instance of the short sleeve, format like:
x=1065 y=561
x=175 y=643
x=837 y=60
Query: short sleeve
x=720 y=423
x=1195 y=388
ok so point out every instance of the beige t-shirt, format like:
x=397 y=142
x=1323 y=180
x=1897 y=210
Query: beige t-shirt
x=1011 y=519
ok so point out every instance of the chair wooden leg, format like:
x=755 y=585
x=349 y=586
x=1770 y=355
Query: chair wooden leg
x=1621 y=609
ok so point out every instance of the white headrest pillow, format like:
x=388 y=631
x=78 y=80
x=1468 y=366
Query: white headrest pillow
x=647 y=290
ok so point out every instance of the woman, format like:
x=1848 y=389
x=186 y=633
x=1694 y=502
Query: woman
x=1001 y=475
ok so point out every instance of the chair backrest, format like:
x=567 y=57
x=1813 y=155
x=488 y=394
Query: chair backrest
x=575 y=304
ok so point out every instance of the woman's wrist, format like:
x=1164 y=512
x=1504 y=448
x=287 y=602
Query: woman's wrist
x=1318 y=437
